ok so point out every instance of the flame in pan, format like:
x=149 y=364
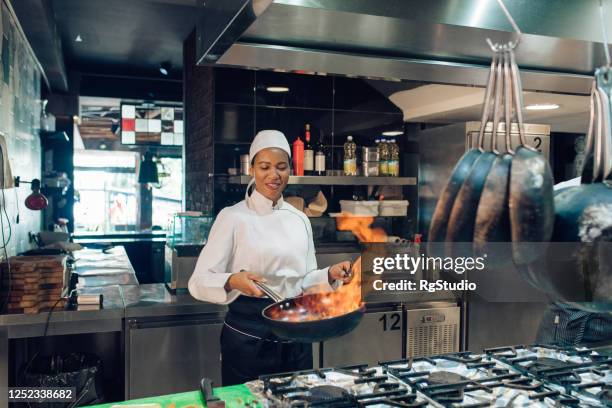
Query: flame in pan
x=322 y=304
x=361 y=228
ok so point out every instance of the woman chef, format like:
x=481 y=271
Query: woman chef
x=262 y=238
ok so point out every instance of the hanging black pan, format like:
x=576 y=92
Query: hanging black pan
x=569 y=203
x=492 y=217
x=532 y=210
x=304 y=319
x=463 y=214
x=584 y=214
x=441 y=215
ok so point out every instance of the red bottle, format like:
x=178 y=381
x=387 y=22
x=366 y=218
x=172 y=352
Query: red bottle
x=298 y=157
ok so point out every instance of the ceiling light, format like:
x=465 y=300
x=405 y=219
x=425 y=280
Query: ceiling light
x=78 y=38
x=392 y=133
x=542 y=106
x=277 y=89
x=165 y=67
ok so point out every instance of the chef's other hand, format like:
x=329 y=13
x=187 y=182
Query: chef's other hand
x=340 y=271
x=243 y=282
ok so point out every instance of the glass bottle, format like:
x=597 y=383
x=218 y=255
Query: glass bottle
x=394 y=157
x=383 y=157
x=350 y=157
x=308 y=153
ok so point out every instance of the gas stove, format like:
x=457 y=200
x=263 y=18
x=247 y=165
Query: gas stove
x=575 y=371
x=354 y=386
x=476 y=380
x=519 y=376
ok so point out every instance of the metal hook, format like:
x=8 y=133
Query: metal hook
x=494 y=47
x=512 y=44
x=512 y=23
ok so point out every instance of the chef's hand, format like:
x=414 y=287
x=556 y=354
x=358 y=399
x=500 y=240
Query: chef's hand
x=340 y=271
x=243 y=282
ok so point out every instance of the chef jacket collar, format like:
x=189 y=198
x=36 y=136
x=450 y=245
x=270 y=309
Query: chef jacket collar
x=262 y=205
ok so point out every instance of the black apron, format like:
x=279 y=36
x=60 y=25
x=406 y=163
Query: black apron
x=249 y=349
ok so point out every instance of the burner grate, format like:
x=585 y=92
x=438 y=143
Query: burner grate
x=449 y=389
x=292 y=389
x=527 y=375
x=606 y=394
x=578 y=371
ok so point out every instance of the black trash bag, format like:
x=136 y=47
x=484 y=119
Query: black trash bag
x=83 y=371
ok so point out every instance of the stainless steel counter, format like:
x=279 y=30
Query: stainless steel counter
x=111 y=274
x=154 y=300
x=113 y=267
x=62 y=322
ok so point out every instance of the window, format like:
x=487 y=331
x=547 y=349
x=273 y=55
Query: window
x=109 y=199
x=107 y=189
x=167 y=195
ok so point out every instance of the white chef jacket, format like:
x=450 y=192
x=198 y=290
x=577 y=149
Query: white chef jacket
x=254 y=235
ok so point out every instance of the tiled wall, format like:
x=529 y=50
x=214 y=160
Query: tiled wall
x=19 y=124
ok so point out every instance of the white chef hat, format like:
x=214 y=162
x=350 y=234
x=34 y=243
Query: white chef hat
x=266 y=139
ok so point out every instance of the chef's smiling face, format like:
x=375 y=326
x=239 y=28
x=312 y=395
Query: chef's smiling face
x=271 y=170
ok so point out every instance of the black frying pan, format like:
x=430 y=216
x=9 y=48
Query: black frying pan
x=463 y=214
x=294 y=318
x=439 y=221
x=531 y=200
x=492 y=216
x=584 y=213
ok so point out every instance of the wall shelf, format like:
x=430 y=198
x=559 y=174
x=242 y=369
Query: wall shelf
x=337 y=180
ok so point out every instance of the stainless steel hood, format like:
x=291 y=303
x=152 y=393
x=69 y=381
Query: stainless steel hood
x=441 y=41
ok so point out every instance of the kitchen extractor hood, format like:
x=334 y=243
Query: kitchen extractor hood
x=441 y=41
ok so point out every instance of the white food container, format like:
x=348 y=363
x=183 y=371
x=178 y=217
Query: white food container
x=359 y=208
x=393 y=208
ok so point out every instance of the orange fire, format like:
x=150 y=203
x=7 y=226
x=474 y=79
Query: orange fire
x=319 y=304
x=360 y=227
